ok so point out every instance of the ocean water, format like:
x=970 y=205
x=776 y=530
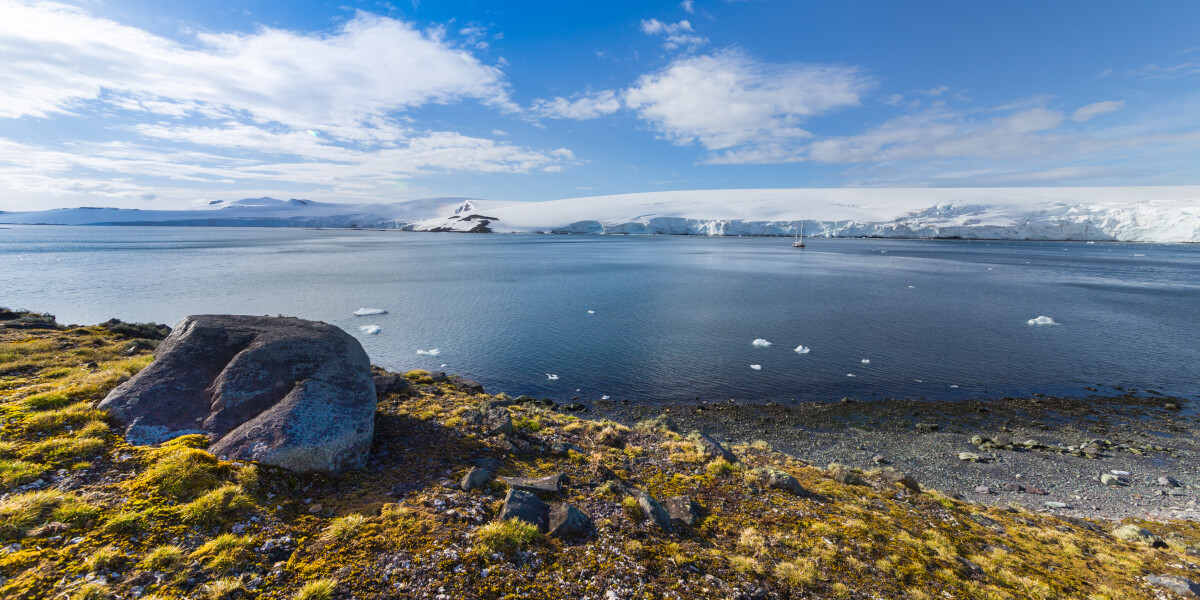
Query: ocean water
x=661 y=318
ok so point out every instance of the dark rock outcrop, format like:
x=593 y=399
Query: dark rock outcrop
x=391 y=383
x=550 y=484
x=683 y=509
x=526 y=507
x=568 y=521
x=281 y=391
x=713 y=448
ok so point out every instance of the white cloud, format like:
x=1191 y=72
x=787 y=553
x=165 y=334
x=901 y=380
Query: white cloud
x=1096 y=108
x=675 y=35
x=579 y=107
x=727 y=99
x=57 y=57
x=687 y=6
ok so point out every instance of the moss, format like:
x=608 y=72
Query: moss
x=20 y=513
x=343 y=529
x=18 y=472
x=165 y=558
x=107 y=558
x=182 y=473
x=224 y=552
x=93 y=590
x=69 y=416
x=221 y=589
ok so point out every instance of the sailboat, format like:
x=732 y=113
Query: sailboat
x=799 y=241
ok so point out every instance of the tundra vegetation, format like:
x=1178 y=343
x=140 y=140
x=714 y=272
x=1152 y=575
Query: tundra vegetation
x=85 y=515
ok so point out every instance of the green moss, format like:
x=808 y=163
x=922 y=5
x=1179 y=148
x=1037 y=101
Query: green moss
x=215 y=506
x=20 y=513
x=506 y=537
x=18 y=472
x=165 y=558
x=180 y=472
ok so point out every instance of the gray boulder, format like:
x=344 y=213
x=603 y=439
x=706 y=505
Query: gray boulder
x=524 y=506
x=568 y=521
x=1180 y=585
x=281 y=391
x=683 y=509
x=474 y=479
x=499 y=423
x=779 y=480
x=713 y=448
x=391 y=383
x=654 y=511
x=550 y=484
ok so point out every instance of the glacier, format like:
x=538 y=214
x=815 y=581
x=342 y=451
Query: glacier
x=1165 y=214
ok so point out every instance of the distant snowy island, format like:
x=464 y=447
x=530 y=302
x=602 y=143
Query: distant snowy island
x=1138 y=214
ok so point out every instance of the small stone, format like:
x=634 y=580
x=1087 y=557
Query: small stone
x=1057 y=505
x=970 y=457
x=712 y=448
x=779 y=480
x=878 y=459
x=1180 y=585
x=519 y=504
x=893 y=476
x=1013 y=487
x=1111 y=480
x=683 y=509
x=1168 y=481
x=550 y=484
x=568 y=521
x=983 y=489
x=1035 y=490
x=474 y=479
x=315 y=508
x=927 y=427
x=655 y=512
x=499 y=423
x=562 y=448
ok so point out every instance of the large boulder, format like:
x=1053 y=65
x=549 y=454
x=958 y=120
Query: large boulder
x=281 y=391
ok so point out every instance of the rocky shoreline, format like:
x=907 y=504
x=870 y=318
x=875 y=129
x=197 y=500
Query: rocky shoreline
x=1097 y=457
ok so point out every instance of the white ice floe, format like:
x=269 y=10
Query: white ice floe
x=364 y=312
x=756 y=367
x=912 y=287
x=591 y=312
x=370 y=329
x=802 y=349
x=849 y=374
x=761 y=343
x=444 y=365
x=1042 y=320
x=551 y=376
x=432 y=352
x=866 y=361
x=604 y=397
x=1139 y=255
x=954 y=386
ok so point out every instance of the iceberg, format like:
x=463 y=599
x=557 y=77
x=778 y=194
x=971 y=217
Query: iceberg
x=801 y=349
x=370 y=329
x=756 y=367
x=761 y=343
x=866 y=361
x=551 y=377
x=1042 y=320
x=433 y=352
x=364 y=312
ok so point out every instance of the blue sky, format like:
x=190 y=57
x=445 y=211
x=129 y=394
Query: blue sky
x=165 y=105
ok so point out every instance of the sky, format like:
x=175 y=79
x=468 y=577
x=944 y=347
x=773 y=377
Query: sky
x=150 y=104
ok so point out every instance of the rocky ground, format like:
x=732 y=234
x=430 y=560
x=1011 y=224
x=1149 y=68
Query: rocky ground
x=469 y=495
x=1145 y=447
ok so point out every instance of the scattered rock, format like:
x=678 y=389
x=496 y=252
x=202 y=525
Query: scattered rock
x=893 y=476
x=315 y=508
x=499 y=423
x=1035 y=490
x=391 y=383
x=879 y=459
x=467 y=385
x=550 y=484
x=562 y=448
x=568 y=521
x=1180 y=585
x=276 y=390
x=1168 y=481
x=927 y=427
x=683 y=509
x=1111 y=480
x=474 y=479
x=525 y=506
x=970 y=457
x=712 y=448
x=1138 y=535
x=1013 y=487
x=983 y=489
x=845 y=476
x=438 y=376
x=654 y=511
x=1052 y=504
x=779 y=480
x=489 y=464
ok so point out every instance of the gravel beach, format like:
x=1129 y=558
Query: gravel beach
x=1115 y=457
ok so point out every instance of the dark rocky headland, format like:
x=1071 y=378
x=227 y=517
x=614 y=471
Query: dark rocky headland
x=253 y=457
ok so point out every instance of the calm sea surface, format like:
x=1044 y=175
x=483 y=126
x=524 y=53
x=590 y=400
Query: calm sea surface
x=674 y=317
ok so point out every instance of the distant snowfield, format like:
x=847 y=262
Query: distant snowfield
x=1143 y=214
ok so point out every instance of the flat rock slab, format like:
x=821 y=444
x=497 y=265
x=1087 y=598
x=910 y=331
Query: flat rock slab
x=277 y=390
x=551 y=484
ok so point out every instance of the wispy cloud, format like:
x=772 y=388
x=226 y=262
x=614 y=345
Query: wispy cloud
x=580 y=107
x=675 y=35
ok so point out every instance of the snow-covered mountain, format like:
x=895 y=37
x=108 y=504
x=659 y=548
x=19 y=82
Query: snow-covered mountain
x=1145 y=214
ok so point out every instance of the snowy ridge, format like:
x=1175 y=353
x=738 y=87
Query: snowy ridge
x=1142 y=214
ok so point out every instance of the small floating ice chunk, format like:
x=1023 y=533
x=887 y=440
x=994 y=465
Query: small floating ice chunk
x=954 y=386
x=431 y=352
x=444 y=364
x=591 y=312
x=604 y=397
x=912 y=287
x=849 y=374
x=761 y=343
x=363 y=312
x=370 y=329
x=866 y=361
x=1042 y=320
x=802 y=349
x=551 y=376
x=1139 y=255
x=756 y=367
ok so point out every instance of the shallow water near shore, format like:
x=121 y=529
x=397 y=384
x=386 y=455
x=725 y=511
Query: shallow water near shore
x=672 y=317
